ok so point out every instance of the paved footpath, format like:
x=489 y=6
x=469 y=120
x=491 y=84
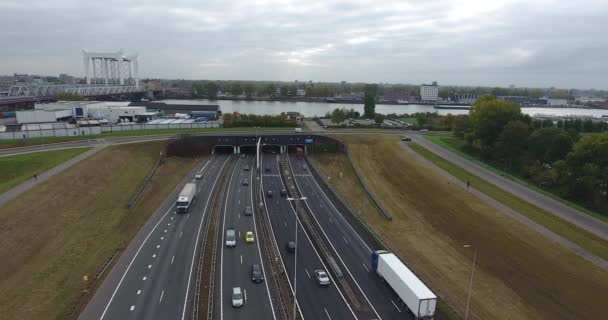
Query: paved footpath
x=570 y=214
x=27 y=185
x=598 y=261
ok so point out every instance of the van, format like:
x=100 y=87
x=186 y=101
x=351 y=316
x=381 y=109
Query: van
x=230 y=238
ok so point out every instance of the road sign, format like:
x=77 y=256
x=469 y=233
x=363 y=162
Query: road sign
x=307 y=141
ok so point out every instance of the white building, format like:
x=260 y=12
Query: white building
x=41 y=116
x=301 y=93
x=112 y=111
x=429 y=92
x=557 y=102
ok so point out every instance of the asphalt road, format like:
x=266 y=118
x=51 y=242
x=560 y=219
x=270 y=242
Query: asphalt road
x=552 y=206
x=236 y=262
x=153 y=279
x=315 y=302
x=349 y=247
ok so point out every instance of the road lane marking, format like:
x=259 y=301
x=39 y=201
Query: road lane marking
x=197 y=239
x=395 y=305
x=330 y=220
x=308 y=274
x=285 y=223
x=161 y=296
x=366 y=268
x=169 y=224
x=327 y=313
x=165 y=230
x=245 y=294
x=145 y=278
x=162 y=238
x=131 y=263
x=149 y=266
x=180 y=234
x=172 y=218
x=172 y=258
x=138 y=292
x=132 y=308
x=241 y=259
x=158 y=246
x=154 y=255
x=345 y=240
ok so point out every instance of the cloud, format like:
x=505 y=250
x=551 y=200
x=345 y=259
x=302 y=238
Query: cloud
x=471 y=42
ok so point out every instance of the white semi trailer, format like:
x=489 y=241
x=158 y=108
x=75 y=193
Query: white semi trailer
x=414 y=293
x=186 y=197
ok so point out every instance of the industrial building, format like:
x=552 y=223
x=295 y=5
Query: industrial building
x=429 y=92
x=113 y=112
x=209 y=111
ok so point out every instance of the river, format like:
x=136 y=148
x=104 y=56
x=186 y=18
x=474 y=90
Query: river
x=311 y=109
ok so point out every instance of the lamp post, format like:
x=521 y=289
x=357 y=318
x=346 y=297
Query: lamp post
x=295 y=258
x=466 y=314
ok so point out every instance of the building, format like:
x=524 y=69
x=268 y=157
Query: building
x=42 y=116
x=429 y=92
x=294 y=115
x=152 y=84
x=301 y=93
x=463 y=98
x=557 y=102
x=112 y=111
x=209 y=111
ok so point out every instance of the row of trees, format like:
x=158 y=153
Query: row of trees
x=252 y=120
x=556 y=158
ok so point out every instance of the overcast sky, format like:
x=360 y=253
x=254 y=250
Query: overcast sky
x=561 y=43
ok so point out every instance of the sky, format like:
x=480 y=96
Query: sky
x=533 y=43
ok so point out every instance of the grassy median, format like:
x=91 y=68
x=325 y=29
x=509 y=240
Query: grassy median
x=16 y=169
x=67 y=227
x=520 y=275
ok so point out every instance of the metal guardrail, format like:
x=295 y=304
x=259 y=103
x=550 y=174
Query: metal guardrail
x=371 y=194
x=144 y=184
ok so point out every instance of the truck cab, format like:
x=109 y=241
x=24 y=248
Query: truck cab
x=183 y=203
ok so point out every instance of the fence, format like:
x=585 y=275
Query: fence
x=90 y=131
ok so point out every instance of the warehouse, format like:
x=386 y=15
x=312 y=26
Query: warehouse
x=42 y=116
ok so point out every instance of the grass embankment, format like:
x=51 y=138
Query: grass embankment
x=70 y=225
x=448 y=141
x=132 y=133
x=520 y=274
x=16 y=169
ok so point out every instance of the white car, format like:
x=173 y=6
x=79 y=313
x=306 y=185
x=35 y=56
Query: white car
x=198 y=176
x=237 y=297
x=322 y=277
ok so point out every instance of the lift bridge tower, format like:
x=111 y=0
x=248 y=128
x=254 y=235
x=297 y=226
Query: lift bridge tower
x=111 y=69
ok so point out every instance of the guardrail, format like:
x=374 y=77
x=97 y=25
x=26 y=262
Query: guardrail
x=144 y=184
x=371 y=194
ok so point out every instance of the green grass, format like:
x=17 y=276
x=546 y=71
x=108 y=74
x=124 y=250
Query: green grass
x=38 y=141
x=563 y=228
x=16 y=169
x=455 y=145
x=520 y=273
x=410 y=120
x=68 y=226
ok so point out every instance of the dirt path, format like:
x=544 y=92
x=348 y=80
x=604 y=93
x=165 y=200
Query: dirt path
x=516 y=215
x=42 y=177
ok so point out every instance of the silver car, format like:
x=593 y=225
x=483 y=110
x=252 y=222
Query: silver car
x=237 y=297
x=322 y=277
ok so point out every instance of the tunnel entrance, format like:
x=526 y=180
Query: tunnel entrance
x=248 y=149
x=293 y=147
x=223 y=149
x=271 y=148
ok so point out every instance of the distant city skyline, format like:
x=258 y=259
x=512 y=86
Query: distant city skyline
x=534 y=43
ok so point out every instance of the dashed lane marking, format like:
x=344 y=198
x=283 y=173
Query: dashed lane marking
x=395 y=305
x=145 y=278
x=132 y=308
x=138 y=292
x=149 y=266
x=365 y=267
x=172 y=258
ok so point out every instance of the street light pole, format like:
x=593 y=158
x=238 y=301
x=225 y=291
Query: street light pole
x=466 y=314
x=295 y=260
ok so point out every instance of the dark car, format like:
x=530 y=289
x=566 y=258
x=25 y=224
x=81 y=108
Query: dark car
x=257 y=275
x=267 y=169
x=283 y=193
x=406 y=139
x=291 y=246
x=269 y=193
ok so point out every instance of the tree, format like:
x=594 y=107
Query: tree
x=379 y=118
x=512 y=141
x=198 y=89
x=338 y=115
x=421 y=119
x=212 y=90
x=548 y=145
x=370 y=92
x=489 y=116
x=249 y=89
x=293 y=90
x=236 y=88
x=284 y=90
x=461 y=126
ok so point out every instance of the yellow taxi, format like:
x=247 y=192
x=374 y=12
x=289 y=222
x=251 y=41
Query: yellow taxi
x=249 y=237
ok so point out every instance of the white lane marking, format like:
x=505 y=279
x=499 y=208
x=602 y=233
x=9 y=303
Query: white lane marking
x=138 y=292
x=395 y=305
x=144 y=278
x=162 y=238
x=154 y=255
x=239 y=201
x=105 y=310
x=172 y=258
x=165 y=230
x=239 y=234
x=241 y=259
x=172 y=218
x=345 y=240
x=196 y=243
x=161 y=296
x=331 y=220
x=308 y=274
x=180 y=234
x=366 y=268
x=285 y=223
x=149 y=266
x=245 y=294
x=158 y=246
x=132 y=308
x=327 y=313
x=168 y=224
x=238 y=216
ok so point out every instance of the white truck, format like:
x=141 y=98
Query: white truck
x=186 y=197
x=297 y=130
x=414 y=293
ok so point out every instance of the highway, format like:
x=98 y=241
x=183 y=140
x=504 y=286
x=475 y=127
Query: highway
x=153 y=277
x=315 y=301
x=236 y=262
x=348 y=246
